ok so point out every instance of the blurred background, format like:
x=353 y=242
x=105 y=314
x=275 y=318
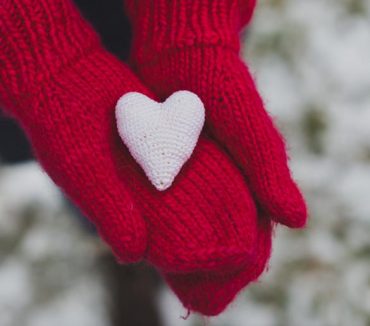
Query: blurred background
x=311 y=60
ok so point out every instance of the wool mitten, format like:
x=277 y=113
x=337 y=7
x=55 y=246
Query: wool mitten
x=194 y=45
x=62 y=86
x=209 y=293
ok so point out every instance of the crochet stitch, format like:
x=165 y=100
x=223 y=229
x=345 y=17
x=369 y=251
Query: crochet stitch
x=196 y=47
x=200 y=52
x=160 y=136
x=62 y=86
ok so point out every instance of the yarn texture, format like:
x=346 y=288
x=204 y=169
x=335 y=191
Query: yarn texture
x=203 y=234
x=160 y=136
x=62 y=86
x=196 y=47
x=200 y=52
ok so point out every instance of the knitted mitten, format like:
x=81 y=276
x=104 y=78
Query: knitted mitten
x=62 y=86
x=210 y=292
x=195 y=46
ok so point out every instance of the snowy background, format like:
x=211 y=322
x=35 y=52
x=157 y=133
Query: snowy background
x=311 y=60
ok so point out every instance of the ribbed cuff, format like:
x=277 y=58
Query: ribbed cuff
x=95 y=80
x=159 y=25
x=39 y=38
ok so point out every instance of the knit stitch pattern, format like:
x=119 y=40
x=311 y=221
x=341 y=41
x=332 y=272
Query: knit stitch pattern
x=210 y=292
x=212 y=68
x=160 y=136
x=196 y=47
x=62 y=86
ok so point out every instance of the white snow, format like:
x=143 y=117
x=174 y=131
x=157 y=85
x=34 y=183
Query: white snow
x=306 y=56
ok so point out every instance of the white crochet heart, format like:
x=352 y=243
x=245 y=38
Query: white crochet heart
x=160 y=136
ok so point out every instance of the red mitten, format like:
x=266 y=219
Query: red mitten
x=210 y=292
x=195 y=46
x=62 y=86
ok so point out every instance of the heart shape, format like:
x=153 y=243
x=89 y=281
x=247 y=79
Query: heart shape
x=160 y=136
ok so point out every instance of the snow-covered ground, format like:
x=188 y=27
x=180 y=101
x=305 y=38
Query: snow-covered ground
x=47 y=271
x=311 y=60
